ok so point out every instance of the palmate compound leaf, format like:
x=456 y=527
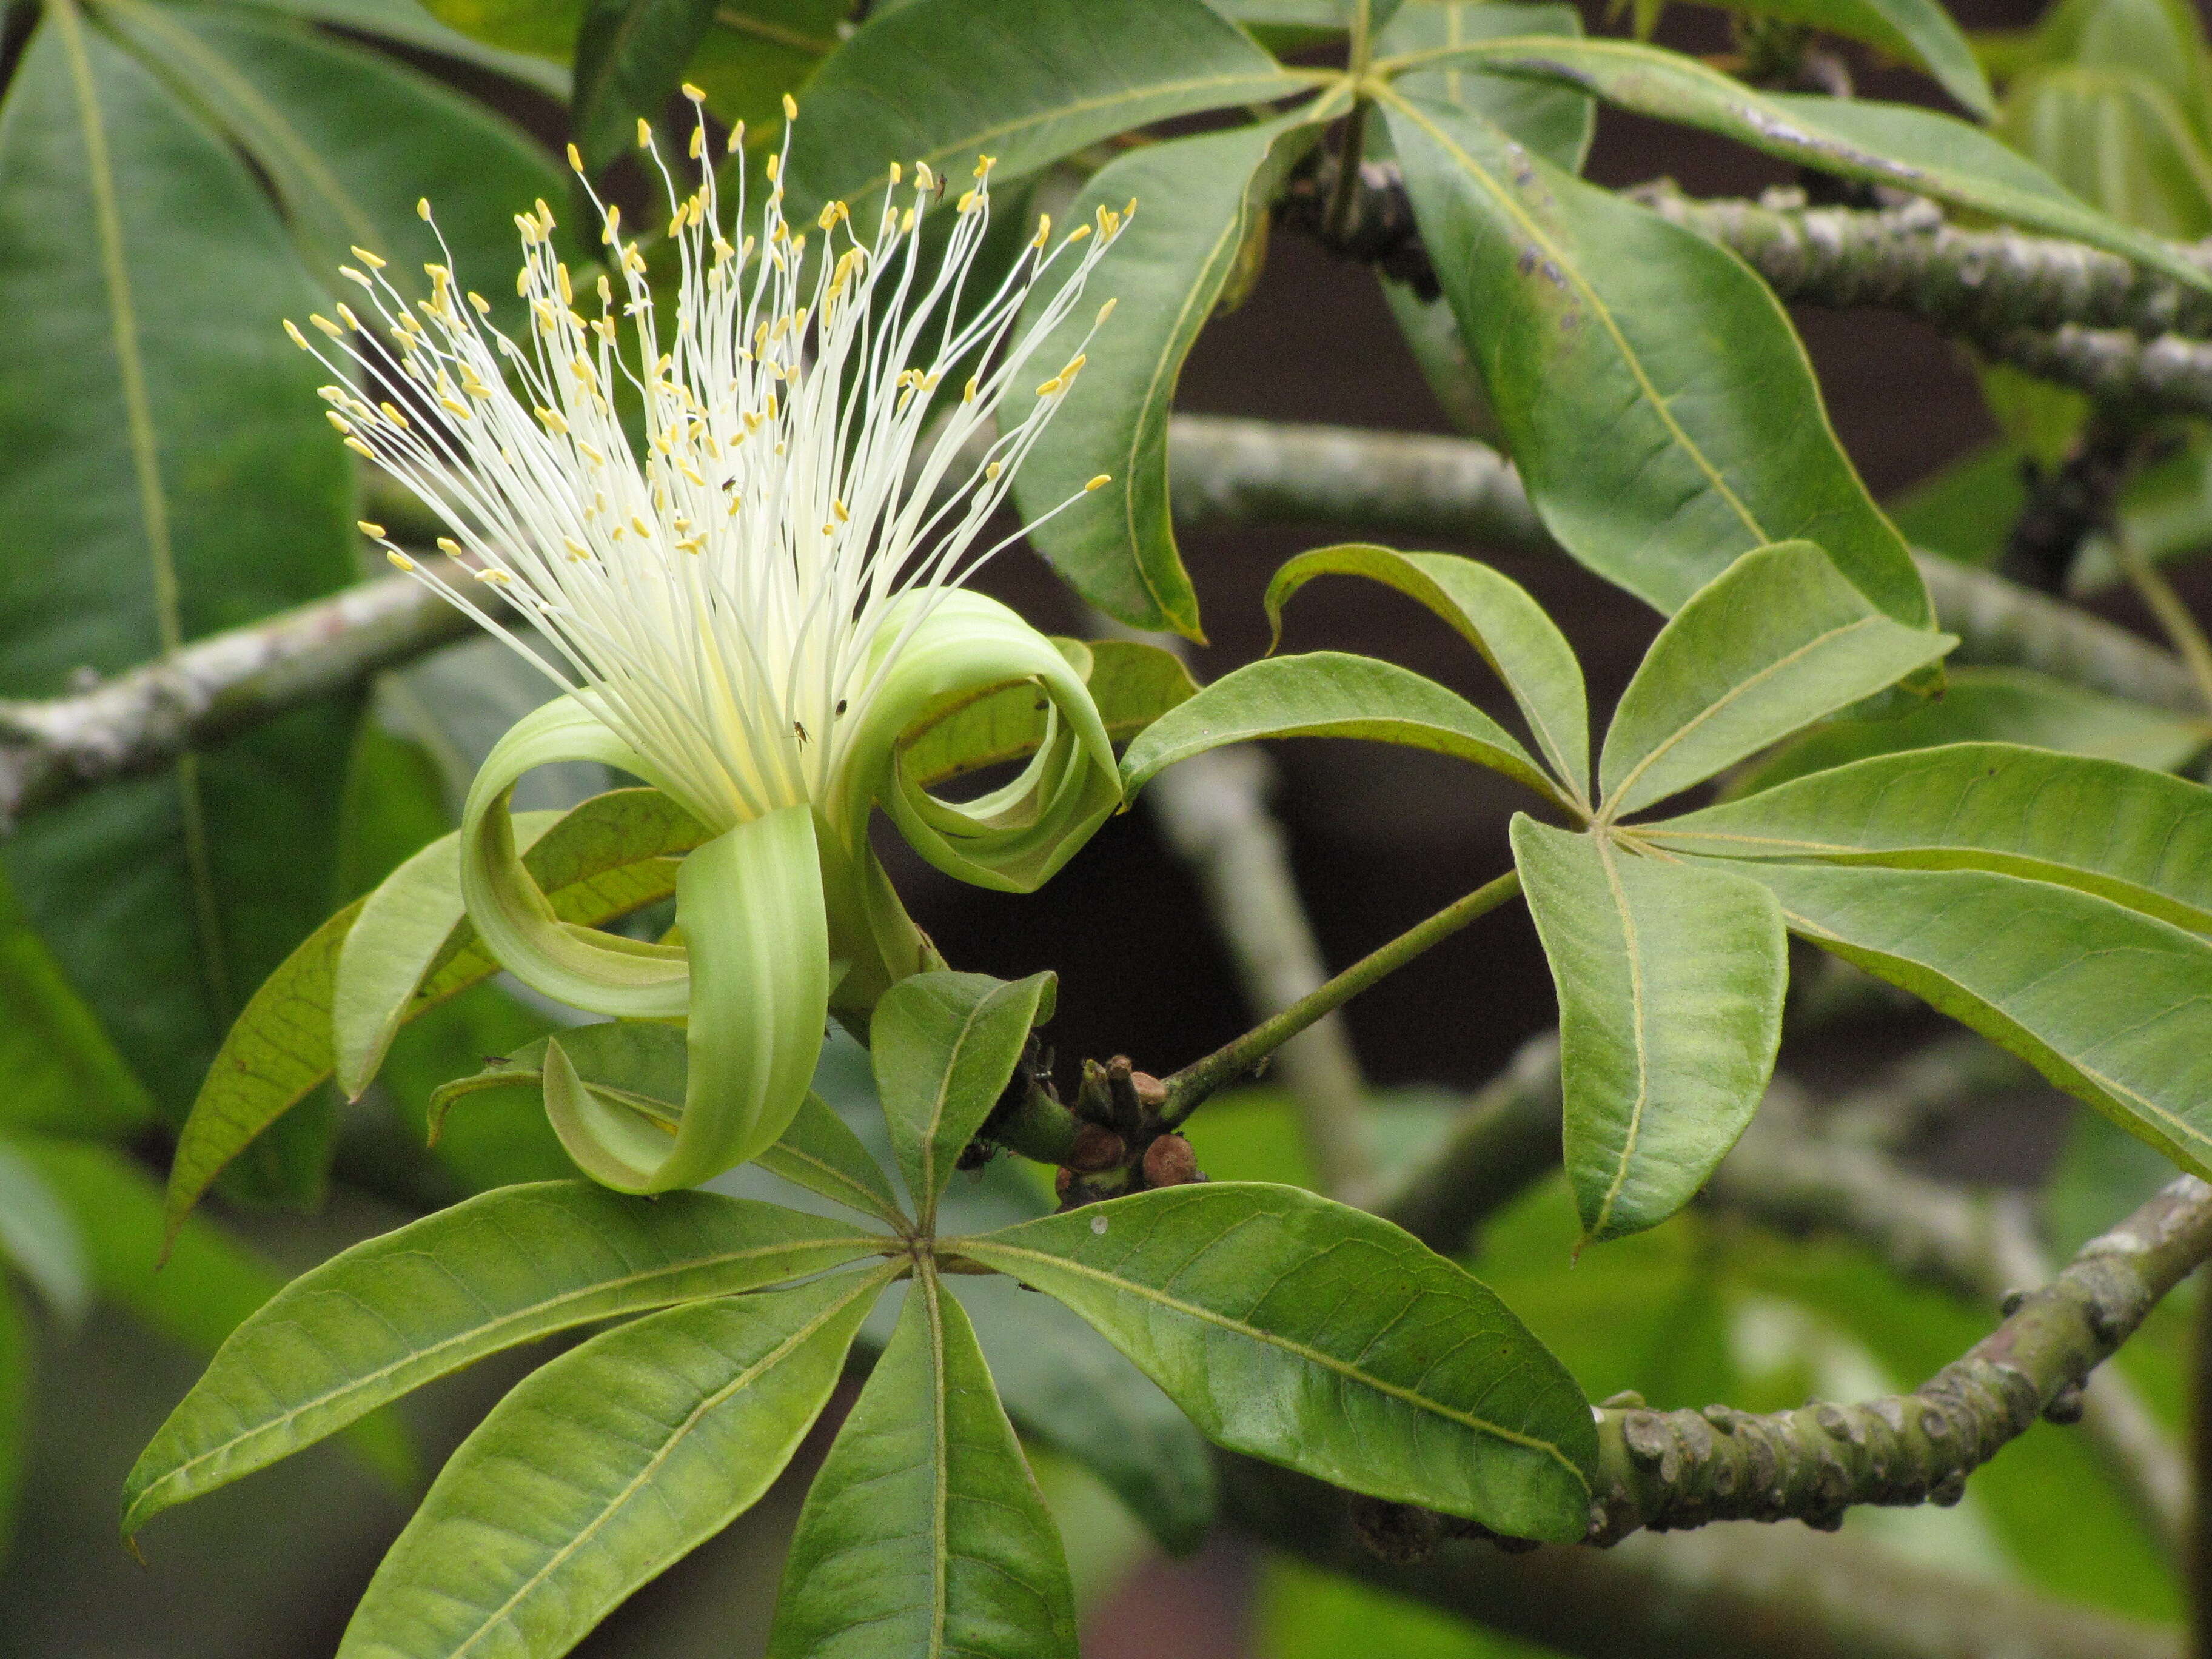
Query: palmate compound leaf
x=944 y=1047
x=1776 y=642
x=1557 y=124
x=1330 y=693
x=1493 y=613
x=501 y=1268
x=925 y=1533
x=1025 y=82
x=604 y=1466
x=1198 y=200
x=1670 y=978
x=607 y=858
x=1653 y=461
x=1323 y=1338
x=1892 y=144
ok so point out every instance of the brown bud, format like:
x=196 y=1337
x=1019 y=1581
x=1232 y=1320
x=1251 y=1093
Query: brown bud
x=1095 y=1148
x=1061 y=1180
x=1151 y=1093
x=1169 y=1162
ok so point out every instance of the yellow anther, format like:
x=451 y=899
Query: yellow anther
x=827 y=216
x=968 y=394
x=633 y=261
x=1079 y=232
x=400 y=561
x=737 y=138
x=392 y=415
x=522 y=283
x=345 y=314
x=492 y=572
x=448 y=546
x=423 y=209
x=775 y=166
x=906 y=223
x=606 y=292
x=591 y=454
x=992 y=471
x=575 y=158
x=1107 y=310
x=483 y=305
x=353 y=275
x=640 y=525
x=576 y=549
x=555 y=421
x=326 y=325
x=1045 y=230
x=1099 y=483
x=339 y=421
x=790 y=107
x=298 y=338
x=694 y=94
x=644 y=133
x=837 y=511
x=966 y=201
x=1074 y=366
x=528 y=228
x=611 y=231
x=367 y=258
x=897 y=172
x=374 y=531
x=560 y=282
x=924 y=180
x=1050 y=386
x=454 y=407
x=360 y=448
x=697 y=145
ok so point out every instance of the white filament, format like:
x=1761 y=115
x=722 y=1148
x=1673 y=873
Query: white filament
x=718 y=593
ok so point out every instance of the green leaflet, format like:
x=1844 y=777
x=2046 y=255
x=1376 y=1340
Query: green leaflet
x=1026 y=82
x=2108 y=1003
x=1671 y=979
x=1912 y=31
x=1652 y=460
x=351 y=141
x=15 y=1366
x=1493 y=613
x=817 y=1151
x=411 y=22
x=623 y=1455
x=1324 y=1339
x=1328 y=694
x=603 y=861
x=502 y=1269
x=943 y=1046
x=1912 y=149
x=1555 y=122
x=925 y=1532
x=38 y=1239
x=1776 y=642
x=1994 y=705
x=1197 y=200
x=2139 y=839
x=170 y=475
x=2114 y=137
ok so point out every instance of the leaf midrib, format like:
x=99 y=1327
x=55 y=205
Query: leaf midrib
x=1632 y=950
x=984 y=1248
x=1626 y=787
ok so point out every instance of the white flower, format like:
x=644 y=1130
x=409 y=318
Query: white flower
x=749 y=602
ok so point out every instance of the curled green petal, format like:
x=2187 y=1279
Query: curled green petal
x=1013 y=838
x=581 y=966
x=750 y=903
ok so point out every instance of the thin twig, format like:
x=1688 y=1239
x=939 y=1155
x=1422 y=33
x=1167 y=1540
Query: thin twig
x=1191 y=1085
x=2174 y=616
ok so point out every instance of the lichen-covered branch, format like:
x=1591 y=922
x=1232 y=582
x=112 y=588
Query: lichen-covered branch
x=1985 y=284
x=1666 y=1470
x=1731 y=1593
x=213 y=688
